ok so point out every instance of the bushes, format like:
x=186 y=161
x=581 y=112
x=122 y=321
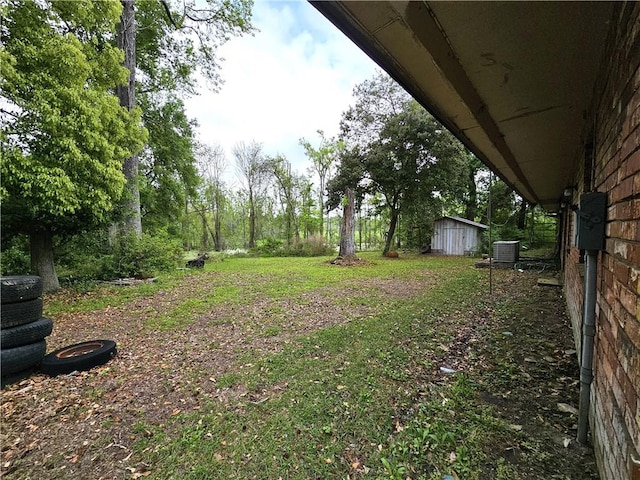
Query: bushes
x=269 y=247
x=142 y=257
x=92 y=257
x=15 y=257
x=313 y=246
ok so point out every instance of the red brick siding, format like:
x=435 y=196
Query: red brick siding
x=615 y=409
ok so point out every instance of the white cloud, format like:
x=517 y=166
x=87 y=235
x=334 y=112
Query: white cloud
x=291 y=78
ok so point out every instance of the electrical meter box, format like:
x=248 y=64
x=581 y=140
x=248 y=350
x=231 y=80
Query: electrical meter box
x=592 y=215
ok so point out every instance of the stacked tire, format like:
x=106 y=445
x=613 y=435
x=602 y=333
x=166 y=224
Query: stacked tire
x=22 y=327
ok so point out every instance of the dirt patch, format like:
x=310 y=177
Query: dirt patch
x=531 y=379
x=85 y=425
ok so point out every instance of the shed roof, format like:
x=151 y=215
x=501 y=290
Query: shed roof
x=464 y=220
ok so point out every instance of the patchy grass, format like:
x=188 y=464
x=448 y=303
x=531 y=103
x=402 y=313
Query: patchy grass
x=295 y=368
x=328 y=403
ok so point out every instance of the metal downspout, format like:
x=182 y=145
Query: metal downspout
x=588 y=334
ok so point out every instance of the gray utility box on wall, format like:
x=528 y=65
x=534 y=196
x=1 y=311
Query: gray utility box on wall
x=592 y=215
x=506 y=252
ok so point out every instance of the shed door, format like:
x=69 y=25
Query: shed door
x=455 y=241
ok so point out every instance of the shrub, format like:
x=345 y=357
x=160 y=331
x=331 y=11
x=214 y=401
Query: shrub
x=313 y=246
x=15 y=259
x=269 y=247
x=142 y=257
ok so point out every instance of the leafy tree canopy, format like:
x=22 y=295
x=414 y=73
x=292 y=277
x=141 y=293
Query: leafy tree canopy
x=167 y=163
x=398 y=150
x=64 y=134
x=176 y=39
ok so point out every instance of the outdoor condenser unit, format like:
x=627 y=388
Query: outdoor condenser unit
x=506 y=251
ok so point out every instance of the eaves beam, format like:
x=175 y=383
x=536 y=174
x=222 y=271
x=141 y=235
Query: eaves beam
x=422 y=21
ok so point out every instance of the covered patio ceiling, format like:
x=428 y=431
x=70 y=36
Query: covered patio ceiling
x=512 y=80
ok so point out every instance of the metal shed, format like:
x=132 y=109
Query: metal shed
x=456 y=236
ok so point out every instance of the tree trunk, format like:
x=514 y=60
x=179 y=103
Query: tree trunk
x=392 y=230
x=522 y=214
x=347 y=229
x=471 y=206
x=252 y=221
x=41 y=245
x=205 y=233
x=217 y=238
x=126 y=34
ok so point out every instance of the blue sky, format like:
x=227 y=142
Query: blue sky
x=294 y=76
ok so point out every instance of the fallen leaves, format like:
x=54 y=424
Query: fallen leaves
x=566 y=408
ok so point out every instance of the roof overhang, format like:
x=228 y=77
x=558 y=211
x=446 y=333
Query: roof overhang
x=512 y=80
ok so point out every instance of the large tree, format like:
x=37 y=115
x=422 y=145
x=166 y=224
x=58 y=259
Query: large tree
x=168 y=174
x=406 y=155
x=166 y=43
x=64 y=135
x=252 y=172
x=344 y=189
x=290 y=188
x=212 y=164
x=322 y=160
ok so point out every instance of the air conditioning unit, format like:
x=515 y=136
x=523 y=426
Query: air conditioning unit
x=506 y=251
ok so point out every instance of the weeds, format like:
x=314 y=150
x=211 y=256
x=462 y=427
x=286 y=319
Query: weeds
x=362 y=398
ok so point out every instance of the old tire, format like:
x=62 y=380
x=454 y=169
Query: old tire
x=6 y=380
x=20 y=288
x=25 y=334
x=21 y=358
x=81 y=356
x=20 y=313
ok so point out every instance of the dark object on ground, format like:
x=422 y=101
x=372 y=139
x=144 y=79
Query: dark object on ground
x=425 y=249
x=81 y=356
x=25 y=334
x=197 y=262
x=20 y=288
x=22 y=330
x=392 y=254
x=20 y=313
x=16 y=377
x=16 y=359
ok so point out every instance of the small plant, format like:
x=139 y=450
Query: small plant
x=142 y=257
x=269 y=247
x=393 y=471
x=313 y=246
x=228 y=380
x=15 y=257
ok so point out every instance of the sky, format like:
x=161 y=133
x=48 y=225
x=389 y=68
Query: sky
x=294 y=76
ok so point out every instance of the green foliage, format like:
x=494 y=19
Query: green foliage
x=313 y=246
x=398 y=151
x=143 y=257
x=84 y=257
x=167 y=164
x=323 y=158
x=14 y=258
x=64 y=133
x=168 y=51
x=269 y=247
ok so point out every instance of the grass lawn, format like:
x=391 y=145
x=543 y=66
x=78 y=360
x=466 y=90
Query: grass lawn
x=293 y=368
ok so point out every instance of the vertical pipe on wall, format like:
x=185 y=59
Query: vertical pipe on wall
x=588 y=334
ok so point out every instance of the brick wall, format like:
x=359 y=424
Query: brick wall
x=615 y=131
